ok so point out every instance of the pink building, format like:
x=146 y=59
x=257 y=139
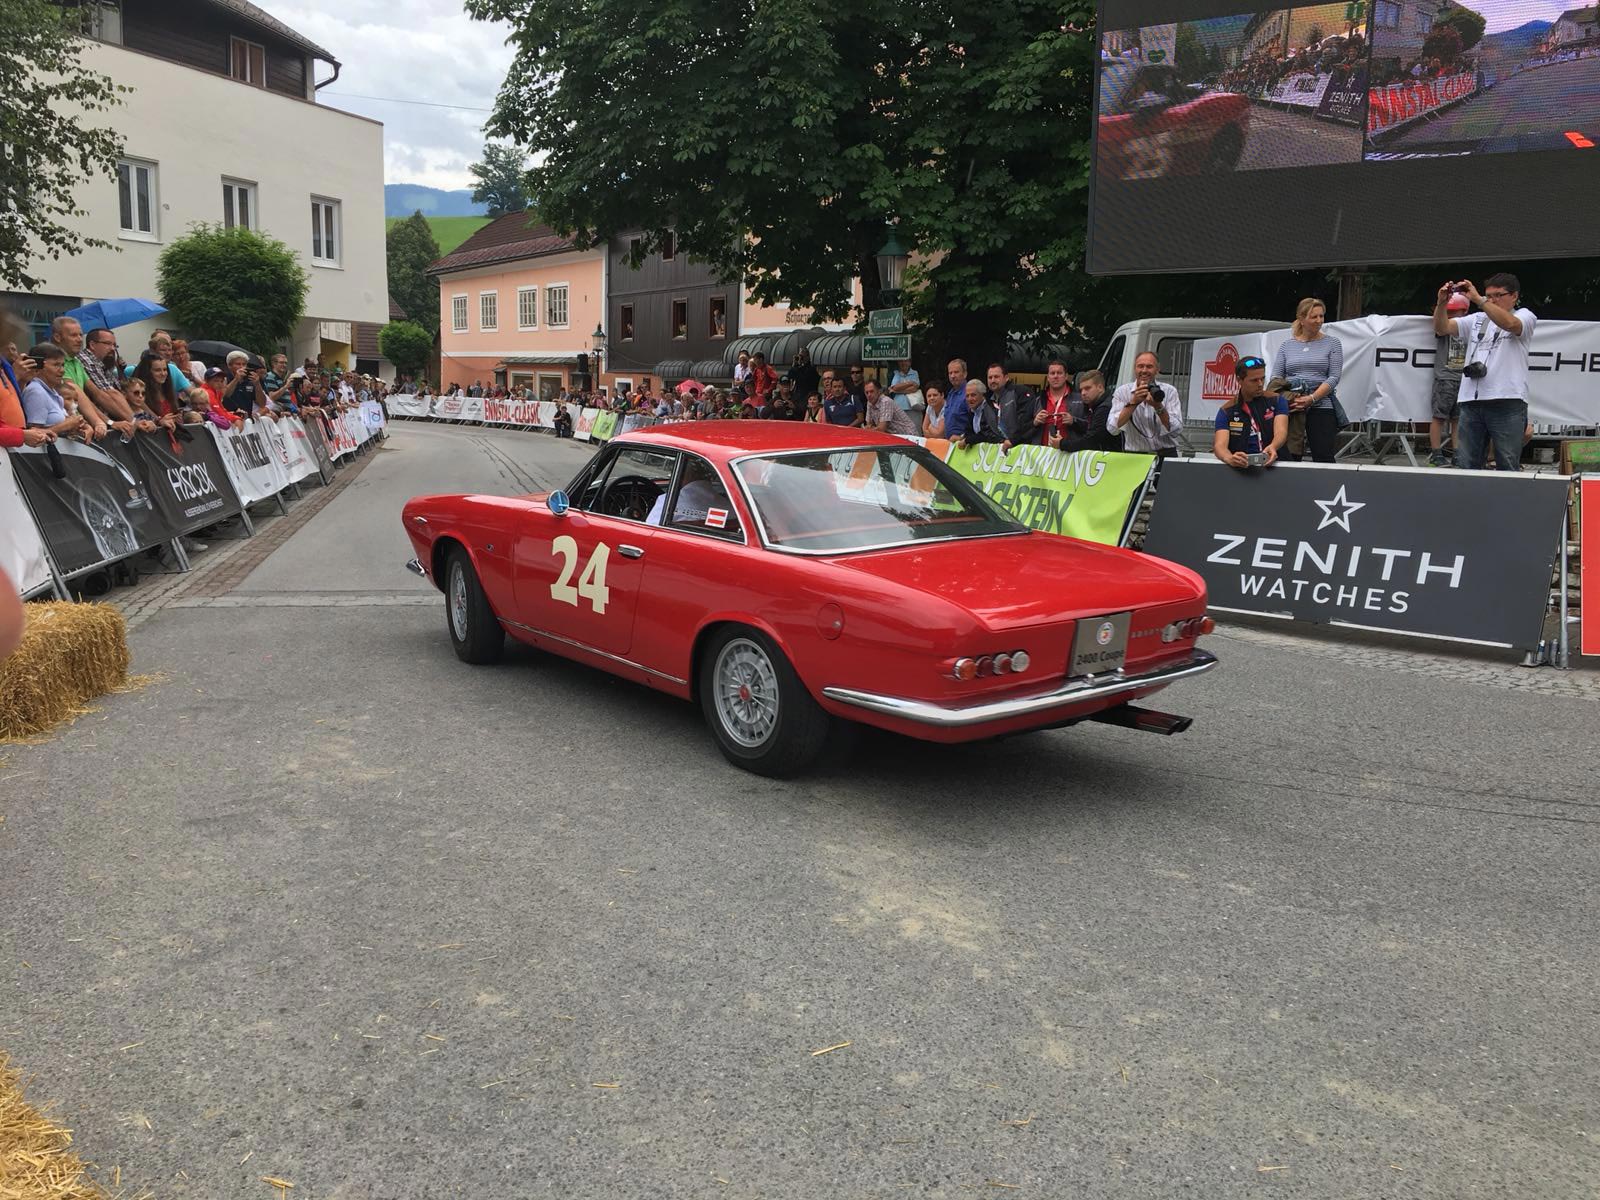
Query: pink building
x=518 y=305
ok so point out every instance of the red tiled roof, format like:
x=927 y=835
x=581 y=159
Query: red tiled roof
x=504 y=239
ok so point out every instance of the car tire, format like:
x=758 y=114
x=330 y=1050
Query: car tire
x=474 y=631
x=762 y=716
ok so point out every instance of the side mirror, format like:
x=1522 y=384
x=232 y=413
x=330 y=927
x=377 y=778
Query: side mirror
x=558 y=503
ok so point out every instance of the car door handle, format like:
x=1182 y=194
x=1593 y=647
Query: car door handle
x=630 y=551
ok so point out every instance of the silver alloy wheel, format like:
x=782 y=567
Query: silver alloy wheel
x=746 y=691
x=458 y=600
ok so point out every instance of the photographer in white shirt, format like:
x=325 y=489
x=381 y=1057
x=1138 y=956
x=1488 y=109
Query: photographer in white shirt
x=1494 y=381
x=1146 y=413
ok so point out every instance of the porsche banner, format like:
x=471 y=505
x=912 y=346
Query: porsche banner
x=1466 y=555
x=90 y=508
x=1089 y=495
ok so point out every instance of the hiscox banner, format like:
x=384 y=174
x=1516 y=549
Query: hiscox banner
x=1458 y=554
x=1388 y=369
x=1087 y=495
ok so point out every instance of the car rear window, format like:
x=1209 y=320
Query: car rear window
x=871 y=498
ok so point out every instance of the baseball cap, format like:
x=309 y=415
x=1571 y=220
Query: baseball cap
x=213 y=371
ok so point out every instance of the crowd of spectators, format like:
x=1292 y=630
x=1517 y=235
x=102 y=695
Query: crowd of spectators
x=1257 y=75
x=80 y=385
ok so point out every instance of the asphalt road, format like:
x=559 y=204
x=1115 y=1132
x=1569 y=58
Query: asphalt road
x=1530 y=111
x=1292 y=139
x=324 y=904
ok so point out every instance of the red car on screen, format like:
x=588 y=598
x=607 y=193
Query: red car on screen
x=1152 y=124
x=789 y=576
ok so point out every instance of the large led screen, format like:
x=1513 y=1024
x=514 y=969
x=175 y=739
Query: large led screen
x=1343 y=134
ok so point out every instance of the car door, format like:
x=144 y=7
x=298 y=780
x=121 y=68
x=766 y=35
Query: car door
x=579 y=576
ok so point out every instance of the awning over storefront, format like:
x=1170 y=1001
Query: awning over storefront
x=755 y=343
x=835 y=350
x=674 y=368
x=539 y=360
x=713 y=370
x=788 y=345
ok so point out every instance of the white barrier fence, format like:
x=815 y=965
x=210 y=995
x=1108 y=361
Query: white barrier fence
x=263 y=459
x=1388 y=370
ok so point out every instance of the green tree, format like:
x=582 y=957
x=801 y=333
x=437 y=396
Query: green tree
x=1189 y=54
x=1444 y=43
x=48 y=150
x=411 y=248
x=502 y=180
x=1470 y=25
x=406 y=344
x=235 y=285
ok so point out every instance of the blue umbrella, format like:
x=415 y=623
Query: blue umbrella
x=110 y=314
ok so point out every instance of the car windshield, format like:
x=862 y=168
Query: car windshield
x=835 y=500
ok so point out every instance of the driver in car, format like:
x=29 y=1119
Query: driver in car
x=698 y=495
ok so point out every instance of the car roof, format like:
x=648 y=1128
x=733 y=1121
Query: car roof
x=724 y=440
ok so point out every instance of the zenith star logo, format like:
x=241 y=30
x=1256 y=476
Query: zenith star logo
x=1337 y=511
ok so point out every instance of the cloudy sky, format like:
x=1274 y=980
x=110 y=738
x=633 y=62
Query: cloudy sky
x=418 y=50
x=1508 y=14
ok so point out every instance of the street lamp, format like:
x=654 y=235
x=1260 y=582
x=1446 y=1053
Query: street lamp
x=597 y=343
x=892 y=258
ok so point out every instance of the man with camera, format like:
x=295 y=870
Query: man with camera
x=242 y=393
x=1494 y=381
x=1252 y=427
x=1146 y=413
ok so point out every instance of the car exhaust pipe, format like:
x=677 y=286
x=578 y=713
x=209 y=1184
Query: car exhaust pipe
x=1148 y=719
x=415 y=567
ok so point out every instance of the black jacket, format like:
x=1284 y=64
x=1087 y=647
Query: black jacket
x=986 y=425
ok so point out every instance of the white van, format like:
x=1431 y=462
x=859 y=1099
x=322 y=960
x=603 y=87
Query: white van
x=1171 y=340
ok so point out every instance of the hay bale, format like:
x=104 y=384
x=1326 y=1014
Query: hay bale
x=36 y=1162
x=69 y=654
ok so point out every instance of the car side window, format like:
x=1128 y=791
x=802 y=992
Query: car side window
x=700 y=502
x=634 y=480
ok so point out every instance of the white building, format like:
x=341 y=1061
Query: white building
x=223 y=125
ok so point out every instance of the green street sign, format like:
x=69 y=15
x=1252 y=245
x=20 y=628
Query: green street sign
x=886 y=349
x=1356 y=11
x=883 y=321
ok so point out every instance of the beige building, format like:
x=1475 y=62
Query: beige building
x=224 y=125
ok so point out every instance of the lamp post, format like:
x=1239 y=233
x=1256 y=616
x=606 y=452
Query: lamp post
x=892 y=258
x=597 y=344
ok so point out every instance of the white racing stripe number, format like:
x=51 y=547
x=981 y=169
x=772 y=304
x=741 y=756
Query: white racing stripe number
x=591 y=584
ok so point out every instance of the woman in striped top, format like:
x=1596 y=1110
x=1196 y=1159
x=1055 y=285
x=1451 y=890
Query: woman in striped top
x=1312 y=361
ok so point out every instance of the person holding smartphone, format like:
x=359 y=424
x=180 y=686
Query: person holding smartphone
x=1147 y=414
x=1494 y=379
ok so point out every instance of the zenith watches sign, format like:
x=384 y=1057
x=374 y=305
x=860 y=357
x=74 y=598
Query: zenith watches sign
x=1466 y=555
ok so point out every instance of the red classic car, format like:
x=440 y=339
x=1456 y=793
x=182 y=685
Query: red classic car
x=1152 y=124
x=787 y=575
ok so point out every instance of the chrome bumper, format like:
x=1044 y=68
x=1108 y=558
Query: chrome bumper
x=1076 y=692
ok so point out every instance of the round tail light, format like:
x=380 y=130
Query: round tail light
x=966 y=669
x=1002 y=663
x=1019 y=661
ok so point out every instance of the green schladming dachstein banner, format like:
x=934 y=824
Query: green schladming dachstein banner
x=1085 y=495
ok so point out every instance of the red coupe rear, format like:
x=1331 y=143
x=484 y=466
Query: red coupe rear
x=785 y=576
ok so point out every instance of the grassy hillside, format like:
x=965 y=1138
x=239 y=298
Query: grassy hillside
x=451 y=231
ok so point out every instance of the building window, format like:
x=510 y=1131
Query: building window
x=102 y=20
x=239 y=204
x=627 y=323
x=633 y=248
x=555 y=306
x=1424 y=23
x=719 y=317
x=247 y=62
x=1386 y=14
x=669 y=246
x=325 y=232
x=136 y=198
x=680 y=318
x=458 y=314
x=488 y=312
x=527 y=308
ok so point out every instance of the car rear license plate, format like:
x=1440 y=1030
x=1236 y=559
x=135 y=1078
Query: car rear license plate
x=1100 y=644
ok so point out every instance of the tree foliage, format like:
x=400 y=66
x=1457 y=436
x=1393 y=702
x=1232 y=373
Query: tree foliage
x=49 y=149
x=502 y=180
x=411 y=248
x=406 y=344
x=234 y=285
x=1470 y=25
x=808 y=127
